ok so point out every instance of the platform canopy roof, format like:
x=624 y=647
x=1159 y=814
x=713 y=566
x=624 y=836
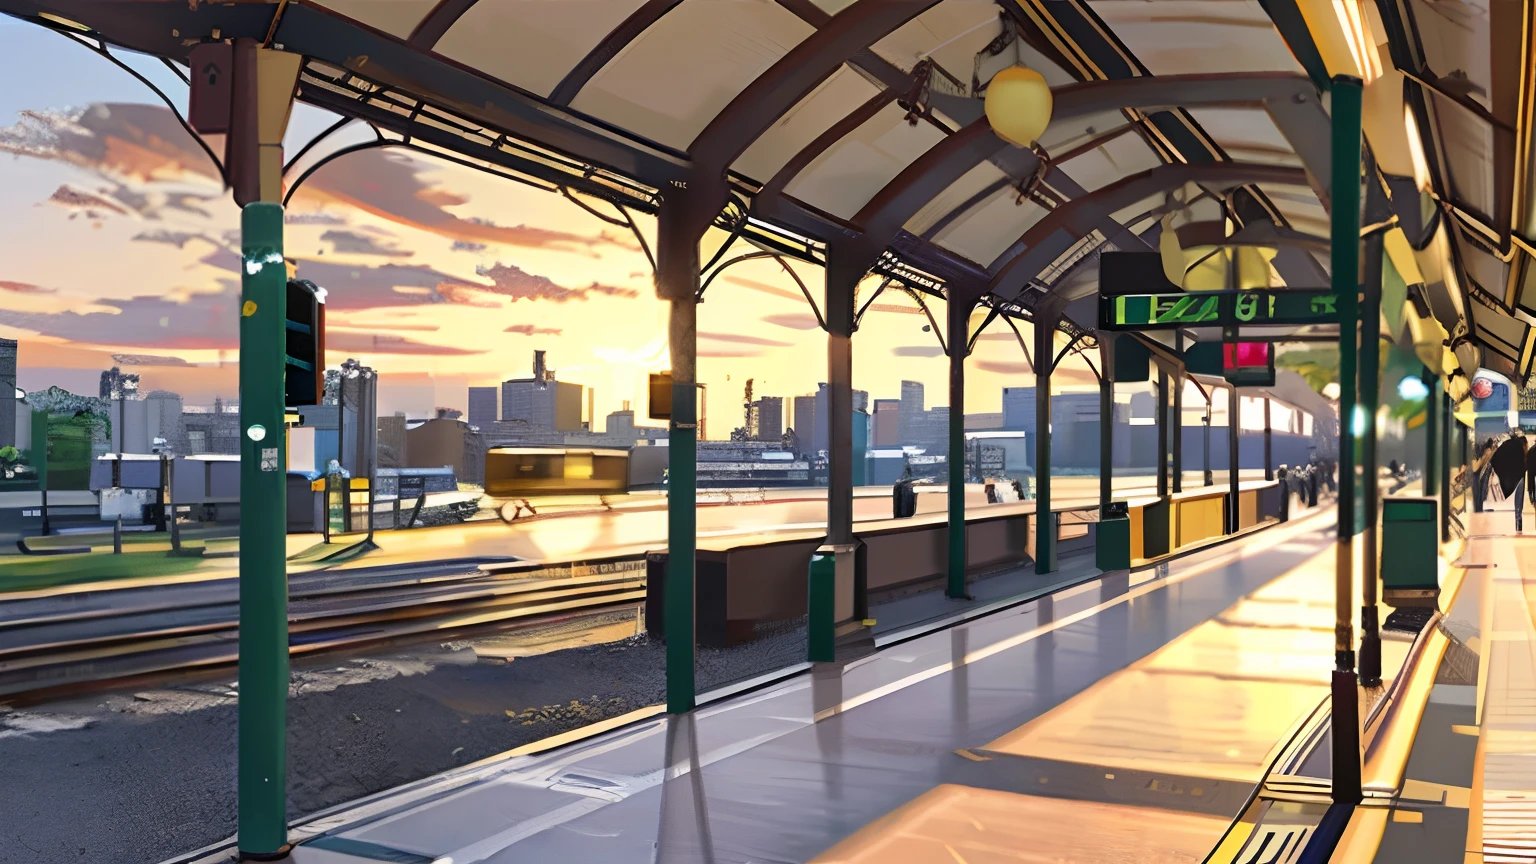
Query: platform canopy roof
x=861 y=121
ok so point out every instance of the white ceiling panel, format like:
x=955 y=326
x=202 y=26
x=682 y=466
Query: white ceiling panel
x=1247 y=134
x=1116 y=160
x=1063 y=135
x=975 y=181
x=990 y=228
x=531 y=43
x=835 y=99
x=1182 y=37
x=951 y=33
x=395 y=17
x=844 y=178
x=1300 y=208
x=669 y=83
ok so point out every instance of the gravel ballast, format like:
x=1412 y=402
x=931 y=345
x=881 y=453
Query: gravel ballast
x=135 y=778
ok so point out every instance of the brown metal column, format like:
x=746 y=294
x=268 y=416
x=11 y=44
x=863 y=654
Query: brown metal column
x=843 y=274
x=680 y=226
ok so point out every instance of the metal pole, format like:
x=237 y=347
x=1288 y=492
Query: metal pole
x=958 y=320
x=1176 y=421
x=1106 y=421
x=839 y=302
x=1447 y=427
x=160 y=512
x=1045 y=521
x=170 y=501
x=1234 y=463
x=40 y=462
x=263 y=520
x=1269 y=441
x=1210 y=476
x=1162 y=432
x=677 y=278
x=1370 y=395
x=1345 y=250
x=1432 y=435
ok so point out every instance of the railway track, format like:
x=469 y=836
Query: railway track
x=94 y=647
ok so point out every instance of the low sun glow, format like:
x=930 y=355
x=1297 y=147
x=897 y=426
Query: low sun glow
x=1416 y=150
x=1357 y=32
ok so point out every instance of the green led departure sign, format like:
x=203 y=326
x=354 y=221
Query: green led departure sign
x=1217 y=309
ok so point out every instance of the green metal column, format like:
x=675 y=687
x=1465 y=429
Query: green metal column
x=1176 y=421
x=1345 y=251
x=263 y=526
x=1234 y=461
x=1447 y=430
x=1162 y=432
x=1045 y=520
x=677 y=267
x=1106 y=421
x=1432 y=436
x=1370 y=387
x=958 y=323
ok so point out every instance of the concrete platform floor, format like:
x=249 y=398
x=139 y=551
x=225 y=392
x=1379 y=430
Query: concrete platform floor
x=1126 y=718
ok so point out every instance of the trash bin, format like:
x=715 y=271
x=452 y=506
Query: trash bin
x=1112 y=544
x=1410 y=551
x=822 y=592
x=655 y=594
x=903 y=500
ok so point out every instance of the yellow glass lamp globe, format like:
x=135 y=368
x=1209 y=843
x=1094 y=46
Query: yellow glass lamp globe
x=1018 y=105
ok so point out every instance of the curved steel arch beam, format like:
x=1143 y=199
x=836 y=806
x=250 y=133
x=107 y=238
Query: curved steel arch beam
x=755 y=109
x=437 y=22
x=824 y=142
x=882 y=218
x=603 y=53
x=1054 y=235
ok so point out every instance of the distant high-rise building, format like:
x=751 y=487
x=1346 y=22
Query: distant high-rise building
x=769 y=413
x=482 y=406
x=1019 y=408
x=212 y=432
x=886 y=433
x=7 y=392
x=805 y=422
x=822 y=431
x=447 y=442
x=139 y=425
x=164 y=417
x=910 y=413
x=359 y=419
x=392 y=442
x=932 y=431
x=541 y=402
x=117 y=384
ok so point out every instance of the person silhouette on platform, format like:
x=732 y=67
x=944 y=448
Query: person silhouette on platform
x=1508 y=469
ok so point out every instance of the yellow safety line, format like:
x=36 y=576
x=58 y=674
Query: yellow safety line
x=1362 y=836
x=1233 y=844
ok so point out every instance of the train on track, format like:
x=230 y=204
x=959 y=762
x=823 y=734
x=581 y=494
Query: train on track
x=524 y=472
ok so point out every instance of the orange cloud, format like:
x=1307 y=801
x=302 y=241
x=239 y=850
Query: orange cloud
x=23 y=288
x=389 y=185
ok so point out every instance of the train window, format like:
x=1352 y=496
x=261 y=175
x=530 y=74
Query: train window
x=578 y=466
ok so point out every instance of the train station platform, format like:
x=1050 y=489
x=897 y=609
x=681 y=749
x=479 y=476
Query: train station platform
x=1466 y=779
x=1133 y=712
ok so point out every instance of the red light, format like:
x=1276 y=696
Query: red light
x=1246 y=355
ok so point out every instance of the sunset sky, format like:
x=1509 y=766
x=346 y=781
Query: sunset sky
x=120 y=243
